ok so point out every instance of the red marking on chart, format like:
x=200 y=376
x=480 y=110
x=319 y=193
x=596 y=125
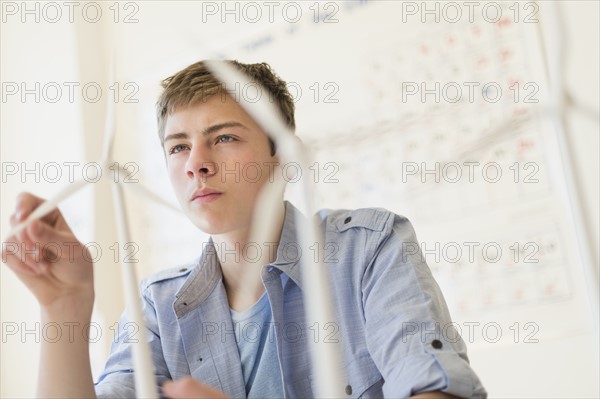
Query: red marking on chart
x=520 y=111
x=519 y=294
x=504 y=22
x=525 y=145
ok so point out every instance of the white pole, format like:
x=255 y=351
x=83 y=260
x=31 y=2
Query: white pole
x=326 y=356
x=145 y=382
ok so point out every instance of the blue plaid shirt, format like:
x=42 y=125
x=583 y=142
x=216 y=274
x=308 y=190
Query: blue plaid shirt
x=392 y=320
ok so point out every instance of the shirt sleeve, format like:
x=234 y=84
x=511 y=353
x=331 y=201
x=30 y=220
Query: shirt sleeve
x=117 y=378
x=409 y=330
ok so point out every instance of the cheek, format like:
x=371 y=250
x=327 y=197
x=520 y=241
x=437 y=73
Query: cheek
x=252 y=173
x=255 y=173
x=176 y=176
x=171 y=173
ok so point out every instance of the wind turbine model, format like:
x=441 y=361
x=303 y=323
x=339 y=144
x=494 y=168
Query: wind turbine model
x=326 y=357
x=145 y=382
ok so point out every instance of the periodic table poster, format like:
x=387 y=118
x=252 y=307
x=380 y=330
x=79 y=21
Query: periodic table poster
x=439 y=113
x=444 y=121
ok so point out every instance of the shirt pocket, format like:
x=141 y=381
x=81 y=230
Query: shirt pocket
x=363 y=379
x=301 y=388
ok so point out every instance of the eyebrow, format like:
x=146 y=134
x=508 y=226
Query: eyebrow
x=209 y=130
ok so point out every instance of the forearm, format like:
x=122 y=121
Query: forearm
x=65 y=370
x=64 y=288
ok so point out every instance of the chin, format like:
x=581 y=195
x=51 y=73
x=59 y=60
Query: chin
x=216 y=223
x=207 y=227
x=211 y=227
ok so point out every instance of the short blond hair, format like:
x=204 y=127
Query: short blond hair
x=196 y=84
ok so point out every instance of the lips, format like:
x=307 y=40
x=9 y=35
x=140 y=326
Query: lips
x=205 y=195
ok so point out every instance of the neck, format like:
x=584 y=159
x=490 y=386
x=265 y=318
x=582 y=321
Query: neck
x=242 y=260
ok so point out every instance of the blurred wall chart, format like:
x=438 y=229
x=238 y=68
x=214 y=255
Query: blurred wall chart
x=444 y=112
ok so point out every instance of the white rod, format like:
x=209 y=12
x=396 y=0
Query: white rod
x=47 y=206
x=326 y=356
x=143 y=192
x=110 y=119
x=554 y=37
x=145 y=382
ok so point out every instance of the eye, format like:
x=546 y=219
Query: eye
x=225 y=138
x=177 y=148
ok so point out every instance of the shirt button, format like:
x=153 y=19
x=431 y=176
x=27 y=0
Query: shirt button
x=348 y=389
x=437 y=344
x=347 y=220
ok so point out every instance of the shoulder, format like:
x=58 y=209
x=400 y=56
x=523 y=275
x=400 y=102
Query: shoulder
x=366 y=229
x=175 y=276
x=374 y=219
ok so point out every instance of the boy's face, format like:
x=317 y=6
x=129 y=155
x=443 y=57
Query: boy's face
x=215 y=146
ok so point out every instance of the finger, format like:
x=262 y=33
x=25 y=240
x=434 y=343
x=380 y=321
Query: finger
x=48 y=243
x=47 y=207
x=28 y=203
x=45 y=234
x=26 y=257
x=25 y=220
x=21 y=248
x=43 y=267
x=41 y=246
x=56 y=246
x=11 y=245
x=18 y=217
x=22 y=270
x=13 y=220
x=11 y=256
x=30 y=252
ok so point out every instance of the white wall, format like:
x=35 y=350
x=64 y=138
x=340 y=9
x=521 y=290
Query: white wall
x=583 y=81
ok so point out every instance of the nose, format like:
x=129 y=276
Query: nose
x=200 y=165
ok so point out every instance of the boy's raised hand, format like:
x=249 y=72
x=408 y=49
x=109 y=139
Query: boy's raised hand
x=48 y=258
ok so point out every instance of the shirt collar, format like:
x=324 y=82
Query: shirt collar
x=207 y=274
x=200 y=283
x=288 y=250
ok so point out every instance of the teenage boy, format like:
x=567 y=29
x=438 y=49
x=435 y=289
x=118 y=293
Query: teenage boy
x=225 y=326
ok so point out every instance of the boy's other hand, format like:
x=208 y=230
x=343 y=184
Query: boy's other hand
x=188 y=388
x=49 y=259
